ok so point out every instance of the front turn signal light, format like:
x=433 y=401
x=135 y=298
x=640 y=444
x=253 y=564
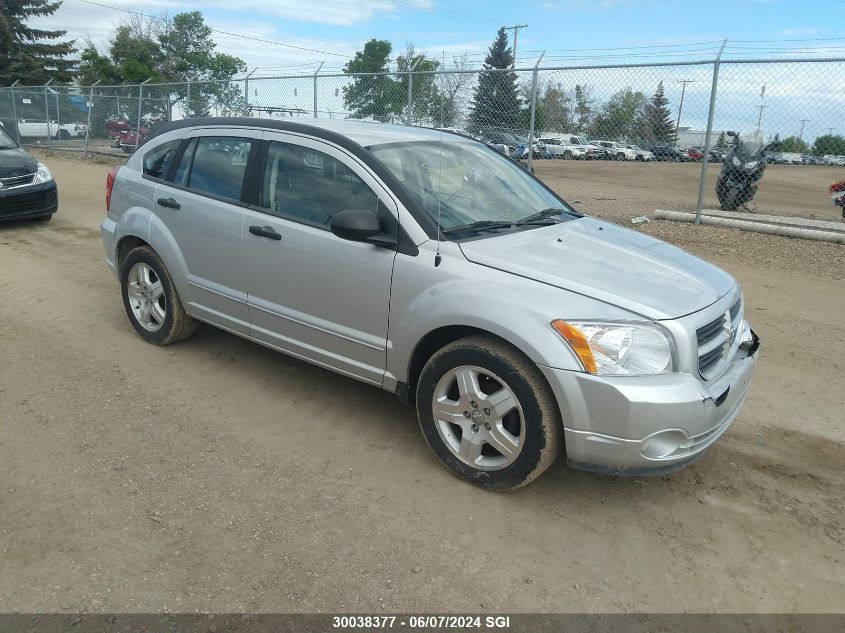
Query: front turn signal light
x=578 y=340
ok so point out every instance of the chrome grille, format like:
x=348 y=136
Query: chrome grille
x=715 y=339
x=16 y=181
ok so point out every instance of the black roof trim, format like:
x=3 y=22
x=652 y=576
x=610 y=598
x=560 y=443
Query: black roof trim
x=356 y=149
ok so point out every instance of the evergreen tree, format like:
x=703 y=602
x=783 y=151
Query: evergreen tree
x=372 y=96
x=32 y=56
x=495 y=101
x=722 y=141
x=659 y=117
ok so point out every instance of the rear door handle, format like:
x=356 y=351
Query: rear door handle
x=265 y=231
x=170 y=203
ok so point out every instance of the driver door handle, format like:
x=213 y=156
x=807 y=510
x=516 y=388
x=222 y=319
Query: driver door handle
x=170 y=203
x=265 y=231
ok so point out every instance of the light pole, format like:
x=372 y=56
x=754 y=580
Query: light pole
x=683 y=83
x=760 y=118
x=801 y=133
x=515 y=28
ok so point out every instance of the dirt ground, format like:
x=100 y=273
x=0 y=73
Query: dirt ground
x=217 y=475
x=795 y=190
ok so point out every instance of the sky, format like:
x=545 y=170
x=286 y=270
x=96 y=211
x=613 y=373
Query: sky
x=566 y=29
x=294 y=36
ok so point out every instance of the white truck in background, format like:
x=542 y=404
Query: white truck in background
x=29 y=128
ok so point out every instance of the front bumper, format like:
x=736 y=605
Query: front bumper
x=639 y=425
x=29 y=201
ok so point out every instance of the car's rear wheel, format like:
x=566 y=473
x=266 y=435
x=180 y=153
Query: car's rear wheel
x=567 y=155
x=487 y=412
x=150 y=299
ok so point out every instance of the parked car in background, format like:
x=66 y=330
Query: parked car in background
x=555 y=147
x=498 y=137
x=28 y=128
x=641 y=154
x=27 y=188
x=593 y=151
x=615 y=151
x=833 y=161
x=517 y=327
x=807 y=159
x=693 y=154
x=521 y=149
x=664 y=152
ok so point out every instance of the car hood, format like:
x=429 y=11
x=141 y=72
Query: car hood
x=16 y=162
x=619 y=266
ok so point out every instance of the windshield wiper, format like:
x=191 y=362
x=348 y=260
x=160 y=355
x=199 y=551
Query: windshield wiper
x=480 y=224
x=547 y=213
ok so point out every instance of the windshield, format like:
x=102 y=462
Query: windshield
x=465 y=182
x=6 y=141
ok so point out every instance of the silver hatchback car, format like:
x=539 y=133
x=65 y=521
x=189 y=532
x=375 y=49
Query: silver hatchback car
x=430 y=265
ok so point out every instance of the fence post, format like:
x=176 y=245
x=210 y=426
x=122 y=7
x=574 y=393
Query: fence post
x=315 y=88
x=140 y=102
x=705 y=160
x=47 y=116
x=15 y=112
x=90 y=107
x=413 y=67
x=246 y=90
x=188 y=98
x=533 y=111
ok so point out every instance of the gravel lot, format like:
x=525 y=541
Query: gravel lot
x=218 y=475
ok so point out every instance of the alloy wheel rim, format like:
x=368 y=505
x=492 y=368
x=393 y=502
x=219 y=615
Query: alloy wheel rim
x=146 y=297
x=478 y=417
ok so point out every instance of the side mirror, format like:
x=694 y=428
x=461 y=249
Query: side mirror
x=731 y=133
x=358 y=225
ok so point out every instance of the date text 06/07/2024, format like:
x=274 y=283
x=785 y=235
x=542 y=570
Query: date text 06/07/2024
x=421 y=621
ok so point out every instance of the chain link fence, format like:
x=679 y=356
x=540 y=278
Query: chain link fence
x=663 y=129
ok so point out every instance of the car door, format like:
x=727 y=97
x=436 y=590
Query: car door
x=311 y=293
x=203 y=214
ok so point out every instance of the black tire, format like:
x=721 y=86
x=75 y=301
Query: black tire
x=541 y=426
x=729 y=202
x=178 y=325
x=43 y=218
x=620 y=156
x=63 y=135
x=567 y=155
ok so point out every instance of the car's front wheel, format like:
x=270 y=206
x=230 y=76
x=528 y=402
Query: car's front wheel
x=150 y=299
x=487 y=412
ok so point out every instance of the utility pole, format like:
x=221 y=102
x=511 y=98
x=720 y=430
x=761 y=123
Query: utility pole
x=801 y=133
x=683 y=83
x=515 y=28
x=830 y=131
x=760 y=118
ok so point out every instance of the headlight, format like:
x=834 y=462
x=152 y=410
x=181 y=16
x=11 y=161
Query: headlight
x=42 y=175
x=737 y=162
x=751 y=164
x=619 y=349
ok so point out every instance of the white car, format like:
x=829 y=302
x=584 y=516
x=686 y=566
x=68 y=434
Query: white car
x=641 y=154
x=43 y=129
x=619 y=152
x=558 y=148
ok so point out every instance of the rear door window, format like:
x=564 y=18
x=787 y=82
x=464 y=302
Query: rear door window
x=157 y=161
x=219 y=165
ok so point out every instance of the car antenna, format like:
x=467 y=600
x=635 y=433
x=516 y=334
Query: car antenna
x=437 y=257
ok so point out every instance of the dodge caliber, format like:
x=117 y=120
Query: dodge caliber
x=429 y=265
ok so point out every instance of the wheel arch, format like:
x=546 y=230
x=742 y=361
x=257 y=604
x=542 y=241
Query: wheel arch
x=436 y=339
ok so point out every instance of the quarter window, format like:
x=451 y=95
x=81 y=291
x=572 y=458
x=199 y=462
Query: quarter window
x=219 y=165
x=304 y=184
x=157 y=161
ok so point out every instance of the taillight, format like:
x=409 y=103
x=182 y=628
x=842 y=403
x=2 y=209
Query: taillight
x=110 y=185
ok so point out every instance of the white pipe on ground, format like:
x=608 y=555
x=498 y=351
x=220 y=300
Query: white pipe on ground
x=754 y=227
